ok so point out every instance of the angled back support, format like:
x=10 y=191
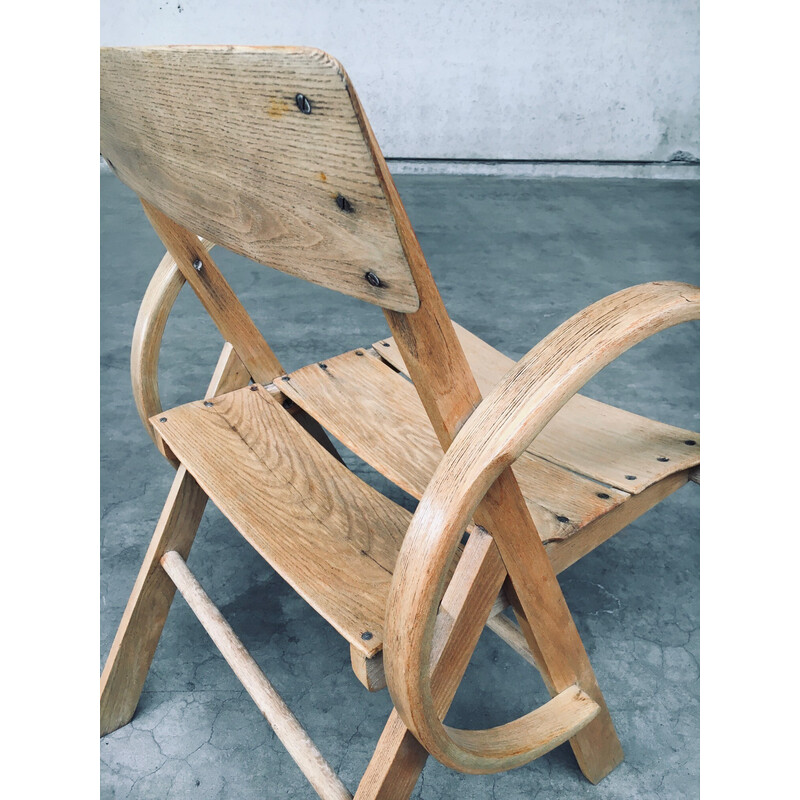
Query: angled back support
x=263 y=150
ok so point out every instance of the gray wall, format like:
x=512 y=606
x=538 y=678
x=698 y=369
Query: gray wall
x=606 y=80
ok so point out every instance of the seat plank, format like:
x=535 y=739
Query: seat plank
x=611 y=445
x=377 y=413
x=329 y=535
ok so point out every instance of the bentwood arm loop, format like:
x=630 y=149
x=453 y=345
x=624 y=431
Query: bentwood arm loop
x=496 y=434
x=162 y=291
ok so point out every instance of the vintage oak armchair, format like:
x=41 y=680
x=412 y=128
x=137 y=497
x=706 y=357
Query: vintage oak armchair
x=266 y=151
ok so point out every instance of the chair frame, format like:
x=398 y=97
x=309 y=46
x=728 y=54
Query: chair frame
x=432 y=626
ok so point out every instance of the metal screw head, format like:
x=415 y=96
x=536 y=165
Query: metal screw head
x=162 y=419
x=344 y=204
x=562 y=519
x=366 y=636
x=197 y=264
x=303 y=103
x=323 y=366
x=372 y=279
x=285 y=378
x=359 y=353
x=690 y=442
x=254 y=388
x=630 y=477
x=603 y=495
x=662 y=458
x=207 y=403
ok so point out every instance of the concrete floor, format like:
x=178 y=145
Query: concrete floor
x=512 y=260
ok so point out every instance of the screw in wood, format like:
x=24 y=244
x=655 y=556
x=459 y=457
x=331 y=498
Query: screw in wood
x=162 y=419
x=662 y=458
x=562 y=519
x=366 y=636
x=344 y=204
x=323 y=366
x=197 y=264
x=303 y=103
x=603 y=495
x=690 y=442
x=373 y=280
x=207 y=403
x=630 y=477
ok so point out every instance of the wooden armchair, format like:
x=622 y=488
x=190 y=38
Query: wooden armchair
x=267 y=152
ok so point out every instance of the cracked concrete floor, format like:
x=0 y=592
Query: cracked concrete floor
x=512 y=258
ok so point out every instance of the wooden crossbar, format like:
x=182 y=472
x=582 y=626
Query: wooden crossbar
x=293 y=736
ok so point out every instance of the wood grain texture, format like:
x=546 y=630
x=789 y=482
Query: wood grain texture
x=616 y=447
x=223 y=306
x=494 y=437
x=213 y=136
x=327 y=533
x=289 y=731
x=433 y=354
x=156 y=306
x=146 y=612
x=368 y=670
x=377 y=414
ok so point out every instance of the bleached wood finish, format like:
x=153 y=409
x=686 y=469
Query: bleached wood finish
x=354 y=396
x=291 y=733
x=368 y=670
x=431 y=350
x=329 y=535
x=173 y=174
x=213 y=137
x=223 y=306
x=162 y=291
x=611 y=445
x=140 y=629
x=494 y=436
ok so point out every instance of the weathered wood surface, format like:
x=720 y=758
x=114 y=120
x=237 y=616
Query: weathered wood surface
x=491 y=440
x=146 y=612
x=329 y=535
x=616 y=447
x=214 y=138
x=377 y=413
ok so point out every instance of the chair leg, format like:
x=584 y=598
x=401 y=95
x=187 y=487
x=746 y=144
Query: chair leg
x=399 y=758
x=138 y=634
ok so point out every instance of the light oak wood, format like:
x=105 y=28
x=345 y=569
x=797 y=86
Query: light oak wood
x=223 y=306
x=213 y=137
x=204 y=167
x=354 y=396
x=610 y=445
x=329 y=535
x=140 y=629
x=500 y=430
x=291 y=733
x=368 y=670
x=162 y=291
x=432 y=352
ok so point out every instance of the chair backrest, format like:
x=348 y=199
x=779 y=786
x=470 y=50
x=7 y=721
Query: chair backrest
x=265 y=151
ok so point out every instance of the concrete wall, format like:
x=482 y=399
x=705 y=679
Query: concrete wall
x=598 y=80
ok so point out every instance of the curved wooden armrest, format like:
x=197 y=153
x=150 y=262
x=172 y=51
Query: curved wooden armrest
x=162 y=291
x=496 y=434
